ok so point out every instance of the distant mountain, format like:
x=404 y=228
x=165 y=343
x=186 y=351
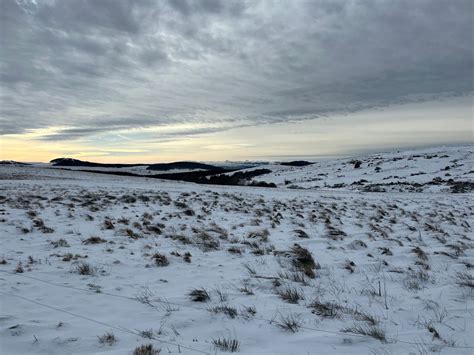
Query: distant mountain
x=184 y=165
x=77 y=162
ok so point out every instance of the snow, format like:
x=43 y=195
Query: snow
x=405 y=292
x=406 y=167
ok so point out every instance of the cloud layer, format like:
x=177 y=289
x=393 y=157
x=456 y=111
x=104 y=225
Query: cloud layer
x=89 y=67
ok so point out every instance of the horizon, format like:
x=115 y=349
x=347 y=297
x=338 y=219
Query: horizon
x=274 y=159
x=134 y=82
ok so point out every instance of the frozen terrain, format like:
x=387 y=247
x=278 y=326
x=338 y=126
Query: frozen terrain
x=432 y=169
x=93 y=263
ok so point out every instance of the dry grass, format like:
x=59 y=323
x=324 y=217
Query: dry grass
x=227 y=345
x=303 y=260
x=291 y=322
x=160 y=259
x=147 y=349
x=94 y=240
x=199 y=295
x=367 y=330
x=108 y=339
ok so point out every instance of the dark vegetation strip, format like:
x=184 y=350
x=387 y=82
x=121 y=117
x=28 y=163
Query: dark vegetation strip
x=211 y=177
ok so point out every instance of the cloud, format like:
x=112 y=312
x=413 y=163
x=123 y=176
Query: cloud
x=96 y=66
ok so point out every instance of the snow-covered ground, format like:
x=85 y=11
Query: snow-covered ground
x=282 y=271
x=412 y=170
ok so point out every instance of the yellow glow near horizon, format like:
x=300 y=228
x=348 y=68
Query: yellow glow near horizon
x=402 y=126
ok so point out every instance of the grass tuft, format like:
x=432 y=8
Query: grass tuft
x=228 y=345
x=108 y=339
x=199 y=295
x=367 y=330
x=147 y=349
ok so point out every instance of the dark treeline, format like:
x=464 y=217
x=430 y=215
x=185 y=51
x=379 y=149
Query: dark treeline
x=211 y=177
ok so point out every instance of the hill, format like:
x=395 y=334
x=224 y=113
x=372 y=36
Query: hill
x=77 y=162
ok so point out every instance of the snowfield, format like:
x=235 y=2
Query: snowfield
x=104 y=264
x=431 y=169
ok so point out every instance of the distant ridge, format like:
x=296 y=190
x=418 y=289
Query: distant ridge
x=297 y=163
x=187 y=165
x=12 y=162
x=77 y=162
x=182 y=165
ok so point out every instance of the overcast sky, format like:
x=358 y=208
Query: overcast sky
x=206 y=79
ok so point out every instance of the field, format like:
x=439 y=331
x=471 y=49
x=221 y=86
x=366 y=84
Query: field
x=93 y=263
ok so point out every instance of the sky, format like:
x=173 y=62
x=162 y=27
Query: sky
x=149 y=81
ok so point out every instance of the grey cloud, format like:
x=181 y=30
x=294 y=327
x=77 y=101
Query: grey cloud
x=106 y=65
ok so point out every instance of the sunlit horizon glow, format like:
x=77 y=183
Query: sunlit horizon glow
x=144 y=81
x=372 y=131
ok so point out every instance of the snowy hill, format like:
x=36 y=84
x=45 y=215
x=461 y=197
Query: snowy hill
x=434 y=169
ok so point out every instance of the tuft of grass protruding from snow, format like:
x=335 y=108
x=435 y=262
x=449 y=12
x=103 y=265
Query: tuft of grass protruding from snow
x=291 y=322
x=228 y=345
x=108 y=339
x=199 y=295
x=367 y=330
x=147 y=349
